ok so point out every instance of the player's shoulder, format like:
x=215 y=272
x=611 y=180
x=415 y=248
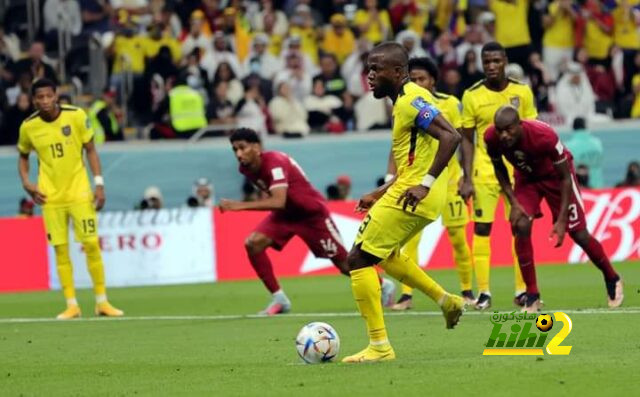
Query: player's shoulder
x=33 y=117
x=490 y=134
x=539 y=127
x=475 y=87
x=273 y=158
x=414 y=98
x=518 y=86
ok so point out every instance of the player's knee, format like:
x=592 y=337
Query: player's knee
x=581 y=237
x=482 y=229
x=91 y=247
x=62 y=252
x=522 y=227
x=255 y=243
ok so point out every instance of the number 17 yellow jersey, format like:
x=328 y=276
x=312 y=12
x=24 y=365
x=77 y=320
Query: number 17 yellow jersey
x=62 y=175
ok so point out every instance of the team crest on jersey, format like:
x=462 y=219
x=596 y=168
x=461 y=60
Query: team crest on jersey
x=419 y=103
x=515 y=101
x=66 y=130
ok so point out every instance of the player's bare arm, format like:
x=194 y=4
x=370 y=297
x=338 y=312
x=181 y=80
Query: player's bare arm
x=276 y=201
x=560 y=226
x=466 y=151
x=96 y=170
x=449 y=139
x=31 y=188
x=392 y=169
x=369 y=199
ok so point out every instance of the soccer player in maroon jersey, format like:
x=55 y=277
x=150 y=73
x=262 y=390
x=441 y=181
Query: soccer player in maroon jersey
x=297 y=209
x=543 y=169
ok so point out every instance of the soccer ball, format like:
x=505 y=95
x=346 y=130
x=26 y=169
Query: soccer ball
x=317 y=343
x=544 y=322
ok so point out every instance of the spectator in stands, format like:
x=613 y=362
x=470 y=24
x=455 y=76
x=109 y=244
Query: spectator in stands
x=235 y=26
x=288 y=115
x=512 y=29
x=265 y=86
x=58 y=14
x=14 y=118
x=411 y=42
x=180 y=114
x=487 y=25
x=558 y=40
x=251 y=111
x=260 y=61
x=151 y=199
x=104 y=118
x=36 y=64
x=338 y=38
x=281 y=24
x=25 y=210
x=470 y=73
x=635 y=90
x=293 y=46
x=626 y=20
x=633 y=175
x=166 y=15
x=372 y=22
x=128 y=53
x=449 y=16
x=582 y=176
x=9 y=50
x=302 y=27
x=201 y=194
x=194 y=73
x=594 y=28
x=275 y=40
x=160 y=36
x=451 y=83
x=344 y=187
x=22 y=86
x=220 y=109
x=162 y=64
x=356 y=61
x=333 y=193
x=321 y=107
x=539 y=80
x=357 y=82
x=472 y=42
x=220 y=53
x=235 y=91
x=574 y=94
x=65 y=99
x=95 y=15
x=139 y=8
x=444 y=52
x=296 y=76
x=212 y=13
x=196 y=38
x=587 y=150
x=334 y=84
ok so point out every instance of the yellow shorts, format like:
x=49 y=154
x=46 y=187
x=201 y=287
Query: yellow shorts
x=85 y=223
x=386 y=229
x=485 y=202
x=455 y=211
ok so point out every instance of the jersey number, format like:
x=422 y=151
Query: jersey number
x=364 y=224
x=573 y=213
x=88 y=226
x=452 y=207
x=57 y=150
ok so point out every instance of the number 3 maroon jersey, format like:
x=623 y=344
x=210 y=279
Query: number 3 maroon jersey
x=277 y=169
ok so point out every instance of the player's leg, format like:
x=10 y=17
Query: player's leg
x=271 y=232
x=485 y=202
x=462 y=258
x=57 y=227
x=411 y=250
x=85 y=225
x=520 y=295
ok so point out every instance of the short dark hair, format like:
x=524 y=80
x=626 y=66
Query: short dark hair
x=245 y=134
x=493 y=46
x=427 y=64
x=42 y=83
x=579 y=123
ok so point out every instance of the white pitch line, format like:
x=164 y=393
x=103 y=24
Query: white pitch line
x=625 y=310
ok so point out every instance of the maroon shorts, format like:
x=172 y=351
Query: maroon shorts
x=530 y=194
x=319 y=233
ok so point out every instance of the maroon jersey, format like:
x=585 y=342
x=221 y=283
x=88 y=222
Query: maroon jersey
x=535 y=154
x=279 y=170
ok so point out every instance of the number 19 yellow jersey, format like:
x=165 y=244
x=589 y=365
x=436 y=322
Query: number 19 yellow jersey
x=62 y=175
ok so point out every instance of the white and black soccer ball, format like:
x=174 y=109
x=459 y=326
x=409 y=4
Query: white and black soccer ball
x=317 y=343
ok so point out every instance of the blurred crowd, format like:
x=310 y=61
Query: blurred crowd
x=293 y=67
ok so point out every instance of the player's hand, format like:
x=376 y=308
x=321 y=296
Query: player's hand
x=366 y=201
x=228 y=205
x=38 y=197
x=99 y=197
x=517 y=212
x=413 y=196
x=559 y=229
x=466 y=190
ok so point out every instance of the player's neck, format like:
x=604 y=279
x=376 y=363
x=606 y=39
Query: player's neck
x=497 y=85
x=49 y=117
x=255 y=167
x=394 y=95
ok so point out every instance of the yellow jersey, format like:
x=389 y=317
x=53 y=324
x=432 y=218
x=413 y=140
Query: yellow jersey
x=376 y=31
x=451 y=109
x=596 y=41
x=414 y=150
x=62 y=175
x=560 y=33
x=130 y=53
x=479 y=105
x=512 y=28
x=625 y=31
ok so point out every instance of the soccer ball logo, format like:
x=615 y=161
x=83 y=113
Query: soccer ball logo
x=317 y=343
x=544 y=322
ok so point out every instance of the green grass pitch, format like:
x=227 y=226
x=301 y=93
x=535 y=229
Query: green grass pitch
x=194 y=340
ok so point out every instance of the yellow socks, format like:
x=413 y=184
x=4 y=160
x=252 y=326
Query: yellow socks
x=482 y=258
x=365 y=285
x=65 y=273
x=461 y=255
x=96 y=269
x=517 y=274
x=405 y=270
x=411 y=250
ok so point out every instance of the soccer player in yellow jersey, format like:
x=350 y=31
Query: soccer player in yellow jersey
x=422 y=144
x=424 y=72
x=58 y=135
x=479 y=104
